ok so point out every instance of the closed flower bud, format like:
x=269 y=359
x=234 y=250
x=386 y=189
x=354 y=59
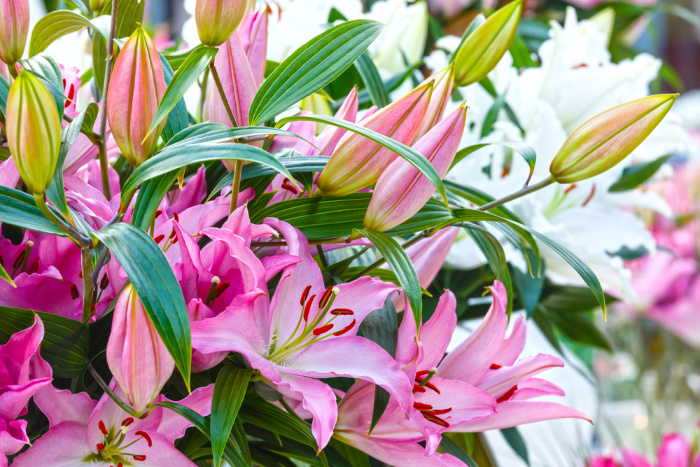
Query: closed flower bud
x=438 y=101
x=135 y=91
x=14 y=26
x=403 y=190
x=606 y=139
x=218 y=19
x=253 y=34
x=357 y=162
x=136 y=355
x=33 y=130
x=97 y=5
x=485 y=47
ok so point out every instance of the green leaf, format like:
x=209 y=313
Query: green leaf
x=56 y=193
x=229 y=391
x=413 y=157
x=80 y=5
x=19 y=209
x=525 y=151
x=153 y=279
x=312 y=66
x=634 y=176
x=496 y=257
x=172 y=159
x=293 y=164
x=91 y=113
x=450 y=447
x=66 y=341
x=492 y=115
x=401 y=264
x=572 y=299
x=196 y=130
x=178 y=118
x=150 y=195
x=6 y=277
x=382 y=327
x=49 y=73
x=373 y=82
x=579 y=328
x=4 y=91
x=197 y=61
x=61 y=22
x=228 y=134
x=530 y=288
x=515 y=441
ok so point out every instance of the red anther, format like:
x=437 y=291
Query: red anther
x=580 y=65
x=74 y=291
x=420 y=406
x=345 y=329
x=323 y=329
x=341 y=311
x=80 y=274
x=325 y=297
x=175 y=240
x=441 y=411
x=128 y=421
x=177 y=218
x=100 y=446
x=138 y=457
x=304 y=294
x=290 y=188
x=422 y=373
x=570 y=188
x=495 y=366
x=307 y=308
x=435 y=419
x=102 y=427
x=145 y=436
x=506 y=171
x=418 y=388
x=430 y=385
x=159 y=238
x=172 y=234
x=34 y=268
x=104 y=282
x=158 y=212
x=20 y=259
x=221 y=288
x=590 y=197
x=507 y=395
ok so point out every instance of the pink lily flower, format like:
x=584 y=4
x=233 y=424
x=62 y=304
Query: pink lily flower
x=675 y=451
x=17 y=386
x=99 y=433
x=444 y=80
x=358 y=162
x=394 y=439
x=487 y=360
x=253 y=34
x=307 y=331
x=402 y=190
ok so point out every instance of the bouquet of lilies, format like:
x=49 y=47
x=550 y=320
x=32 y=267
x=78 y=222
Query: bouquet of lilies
x=245 y=281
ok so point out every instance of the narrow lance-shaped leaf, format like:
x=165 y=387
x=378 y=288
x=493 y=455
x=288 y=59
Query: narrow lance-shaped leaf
x=410 y=155
x=5 y=276
x=229 y=391
x=312 y=66
x=151 y=275
x=399 y=261
x=19 y=209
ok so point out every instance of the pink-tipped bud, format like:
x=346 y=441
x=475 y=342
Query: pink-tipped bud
x=358 y=162
x=135 y=91
x=135 y=353
x=402 y=190
x=218 y=19
x=14 y=26
x=331 y=135
x=438 y=101
x=253 y=34
x=33 y=130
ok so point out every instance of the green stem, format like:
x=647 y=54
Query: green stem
x=220 y=88
x=236 y=185
x=59 y=222
x=111 y=393
x=12 y=68
x=104 y=164
x=86 y=261
x=518 y=194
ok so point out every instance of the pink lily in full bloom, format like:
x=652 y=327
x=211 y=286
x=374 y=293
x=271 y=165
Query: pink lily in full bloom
x=487 y=360
x=307 y=331
x=136 y=354
x=674 y=451
x=358 y=162
x=17 y=386
x=402 y=190
x=99 y=433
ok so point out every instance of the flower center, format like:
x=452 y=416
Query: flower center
x=433 y=415
x=113 y=449
x=309 y=329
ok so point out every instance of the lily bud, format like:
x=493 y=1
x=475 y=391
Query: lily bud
x=438 y=101
x=357 y=162
x=14 y=26
x=402 y=190
x=253 y=34
x=33 y=130
x=606 y=139
x=484 y=48
x=97 y=5
x=135 y=91
x=218 y=19
x=135 y=353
